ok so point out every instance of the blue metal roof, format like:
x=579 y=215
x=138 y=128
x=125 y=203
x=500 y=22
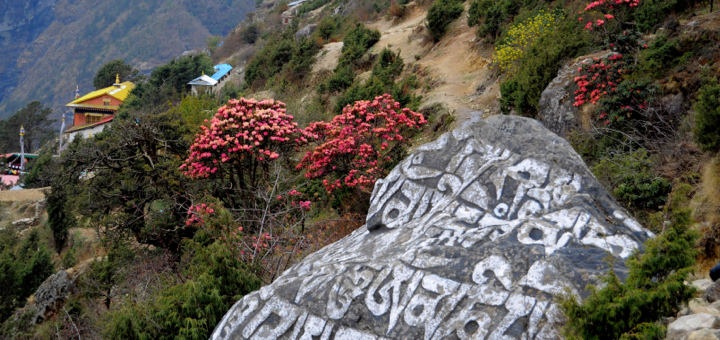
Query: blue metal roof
x=296 y=3
x=220 y=71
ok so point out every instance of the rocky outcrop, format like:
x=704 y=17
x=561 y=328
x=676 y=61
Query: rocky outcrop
x=471 y=236
x=556 y=110
x=50 y=297
x=305 y=32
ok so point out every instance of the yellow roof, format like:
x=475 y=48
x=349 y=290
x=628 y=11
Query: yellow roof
x=119 y=93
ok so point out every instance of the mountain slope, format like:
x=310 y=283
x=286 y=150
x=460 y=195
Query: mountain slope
x=84 y=34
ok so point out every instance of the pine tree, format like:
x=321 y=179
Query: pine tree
x=654 y=289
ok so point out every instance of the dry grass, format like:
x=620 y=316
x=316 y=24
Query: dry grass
x=706 y=210
x=22 y=195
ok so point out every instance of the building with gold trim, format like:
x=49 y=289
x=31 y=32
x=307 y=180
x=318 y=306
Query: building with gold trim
x=95 y=110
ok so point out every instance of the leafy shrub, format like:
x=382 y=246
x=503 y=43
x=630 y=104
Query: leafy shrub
x=662 y=52
x=707 y=120
x=642 y=190
x=651 y=13
x=540 y=66
x=382 y=80
x=626 y=100
x=326 y=27
x=356 y=42
x=478 y=9
x=109 y=72
x=22 y=270
x=520 y=37
x=441 y=14
x=654 y=289
x=358 y=145
x=631 y=180
x=191 y=309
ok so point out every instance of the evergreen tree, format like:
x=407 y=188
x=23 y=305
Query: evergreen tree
x=109 y=72
x=60 y=219
x=654 y=289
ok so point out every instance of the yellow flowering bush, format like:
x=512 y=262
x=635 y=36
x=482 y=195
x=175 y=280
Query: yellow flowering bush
x=520 y=37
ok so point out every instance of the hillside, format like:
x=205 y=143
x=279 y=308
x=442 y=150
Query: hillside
x=50 y=46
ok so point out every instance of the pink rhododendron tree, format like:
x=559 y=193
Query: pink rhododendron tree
x=358 y=145
x=238 y=147
x=607 y=19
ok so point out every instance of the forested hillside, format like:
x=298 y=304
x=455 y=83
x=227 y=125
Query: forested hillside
x=48 y=47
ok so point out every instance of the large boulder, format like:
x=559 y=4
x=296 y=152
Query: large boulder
x=305 y=32
x=556 y=110
x=471 y=236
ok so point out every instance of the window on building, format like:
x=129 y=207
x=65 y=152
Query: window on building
x=106 y=101
x=92 y=119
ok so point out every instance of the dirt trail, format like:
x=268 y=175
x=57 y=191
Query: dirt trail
x=459 y=65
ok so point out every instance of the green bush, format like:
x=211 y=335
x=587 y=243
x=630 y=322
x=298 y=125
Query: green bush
x=651 y=13
x=631 y=180
x=386 y=69
x=707 y=120
x=478 y=9
x=655 y=61
x=540 y=66
x=355 y=44
x=23 y=269
x=326 y=28
x=441 y=14
x=654 y=289
x=192 y=309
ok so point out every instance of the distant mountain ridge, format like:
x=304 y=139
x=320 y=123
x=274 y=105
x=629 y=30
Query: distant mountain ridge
x=50 y=46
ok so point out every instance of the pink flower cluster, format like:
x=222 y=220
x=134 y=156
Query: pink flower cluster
x=358 y=142
x=197 y=212
x=601 y=76
x=605 y=6
x=244 y=129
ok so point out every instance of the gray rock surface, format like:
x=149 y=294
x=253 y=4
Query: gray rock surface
x=681 y=328
x=702 y=285
x=470 y=237
x=712 y=292
x=703 y=334
x=556 y=110
x=51 y=295
x=305 y=32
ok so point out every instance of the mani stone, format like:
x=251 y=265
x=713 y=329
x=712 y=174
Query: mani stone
x=471 y=237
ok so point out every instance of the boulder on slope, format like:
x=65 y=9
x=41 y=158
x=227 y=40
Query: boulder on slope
x=471 y=236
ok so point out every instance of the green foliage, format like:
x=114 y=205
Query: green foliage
x=109 y=72
x=23 y=269
x=478 y=9
x=623 y=103
x=356 y=42
x=707 y=120
x=167 y=82
x=38 y=128
x=191 y=309
x=441 y=14
x=250 y=34
x=387 y=68
x=654 y=289
x=311 y=6
x=651 y=13
x=523 y=35
x=69 y=260
x=540 y=65
x=213 y=42
x=37 y=170
x=60 y=218
x=661 y=53
x=642 y=190
x=631 y=180
x=326 y=27
x=283 y=57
